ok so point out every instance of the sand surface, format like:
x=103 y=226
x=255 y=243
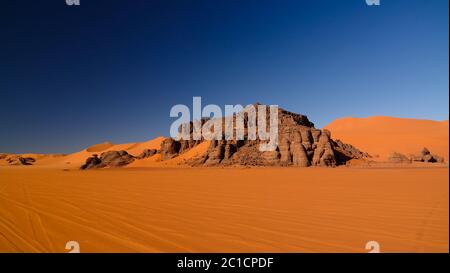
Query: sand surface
x=224 y=210
x=383 y=135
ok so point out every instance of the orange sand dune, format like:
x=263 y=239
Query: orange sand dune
x=137 y=148
x=75 y=160
x=224 y=210
x=384 y=135
x=99 y=147
x=155 y=161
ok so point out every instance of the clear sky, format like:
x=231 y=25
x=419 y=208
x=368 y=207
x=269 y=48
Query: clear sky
x=72 y=76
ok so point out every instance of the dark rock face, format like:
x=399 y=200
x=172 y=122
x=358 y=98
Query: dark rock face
x=147 y=153
x=116 y=158
x=92 y=162
x=345 y=152
x=299 y=144
x=170 y=148
x=108 y=159
x=426 y=156
x=19 y=160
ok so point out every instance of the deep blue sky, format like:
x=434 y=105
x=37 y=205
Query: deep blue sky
x=111 y=70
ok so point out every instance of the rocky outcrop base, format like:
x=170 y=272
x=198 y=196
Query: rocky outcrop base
x=108 y=159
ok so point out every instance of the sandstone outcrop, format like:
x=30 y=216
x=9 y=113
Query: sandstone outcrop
x=300 y=145
x=19 y=160
x=426 y=156
x=170 y=148
x=147 y=153
x=92 y=162
x=108 y=159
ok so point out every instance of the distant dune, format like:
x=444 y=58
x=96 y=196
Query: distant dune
x=75 y=160
x=99 y=147
x=383 y=135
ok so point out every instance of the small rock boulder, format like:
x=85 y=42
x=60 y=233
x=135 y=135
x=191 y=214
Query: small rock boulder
x=147 y=153
x=426 y=156
x=108 y=159
x=116 y=158
x=92 y=162
x=19 y=160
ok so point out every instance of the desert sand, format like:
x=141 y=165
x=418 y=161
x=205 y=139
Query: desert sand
x=154 y=205
x=404 y=209
x=382 y=135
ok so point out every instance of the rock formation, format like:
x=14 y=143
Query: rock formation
x=147 y=153
x=108 y=159
x=170 y=148
x=19 y=160
x=92 y=162
x=424 y=156
x=300 y=144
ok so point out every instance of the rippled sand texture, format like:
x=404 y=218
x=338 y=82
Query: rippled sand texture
x=224 y=210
